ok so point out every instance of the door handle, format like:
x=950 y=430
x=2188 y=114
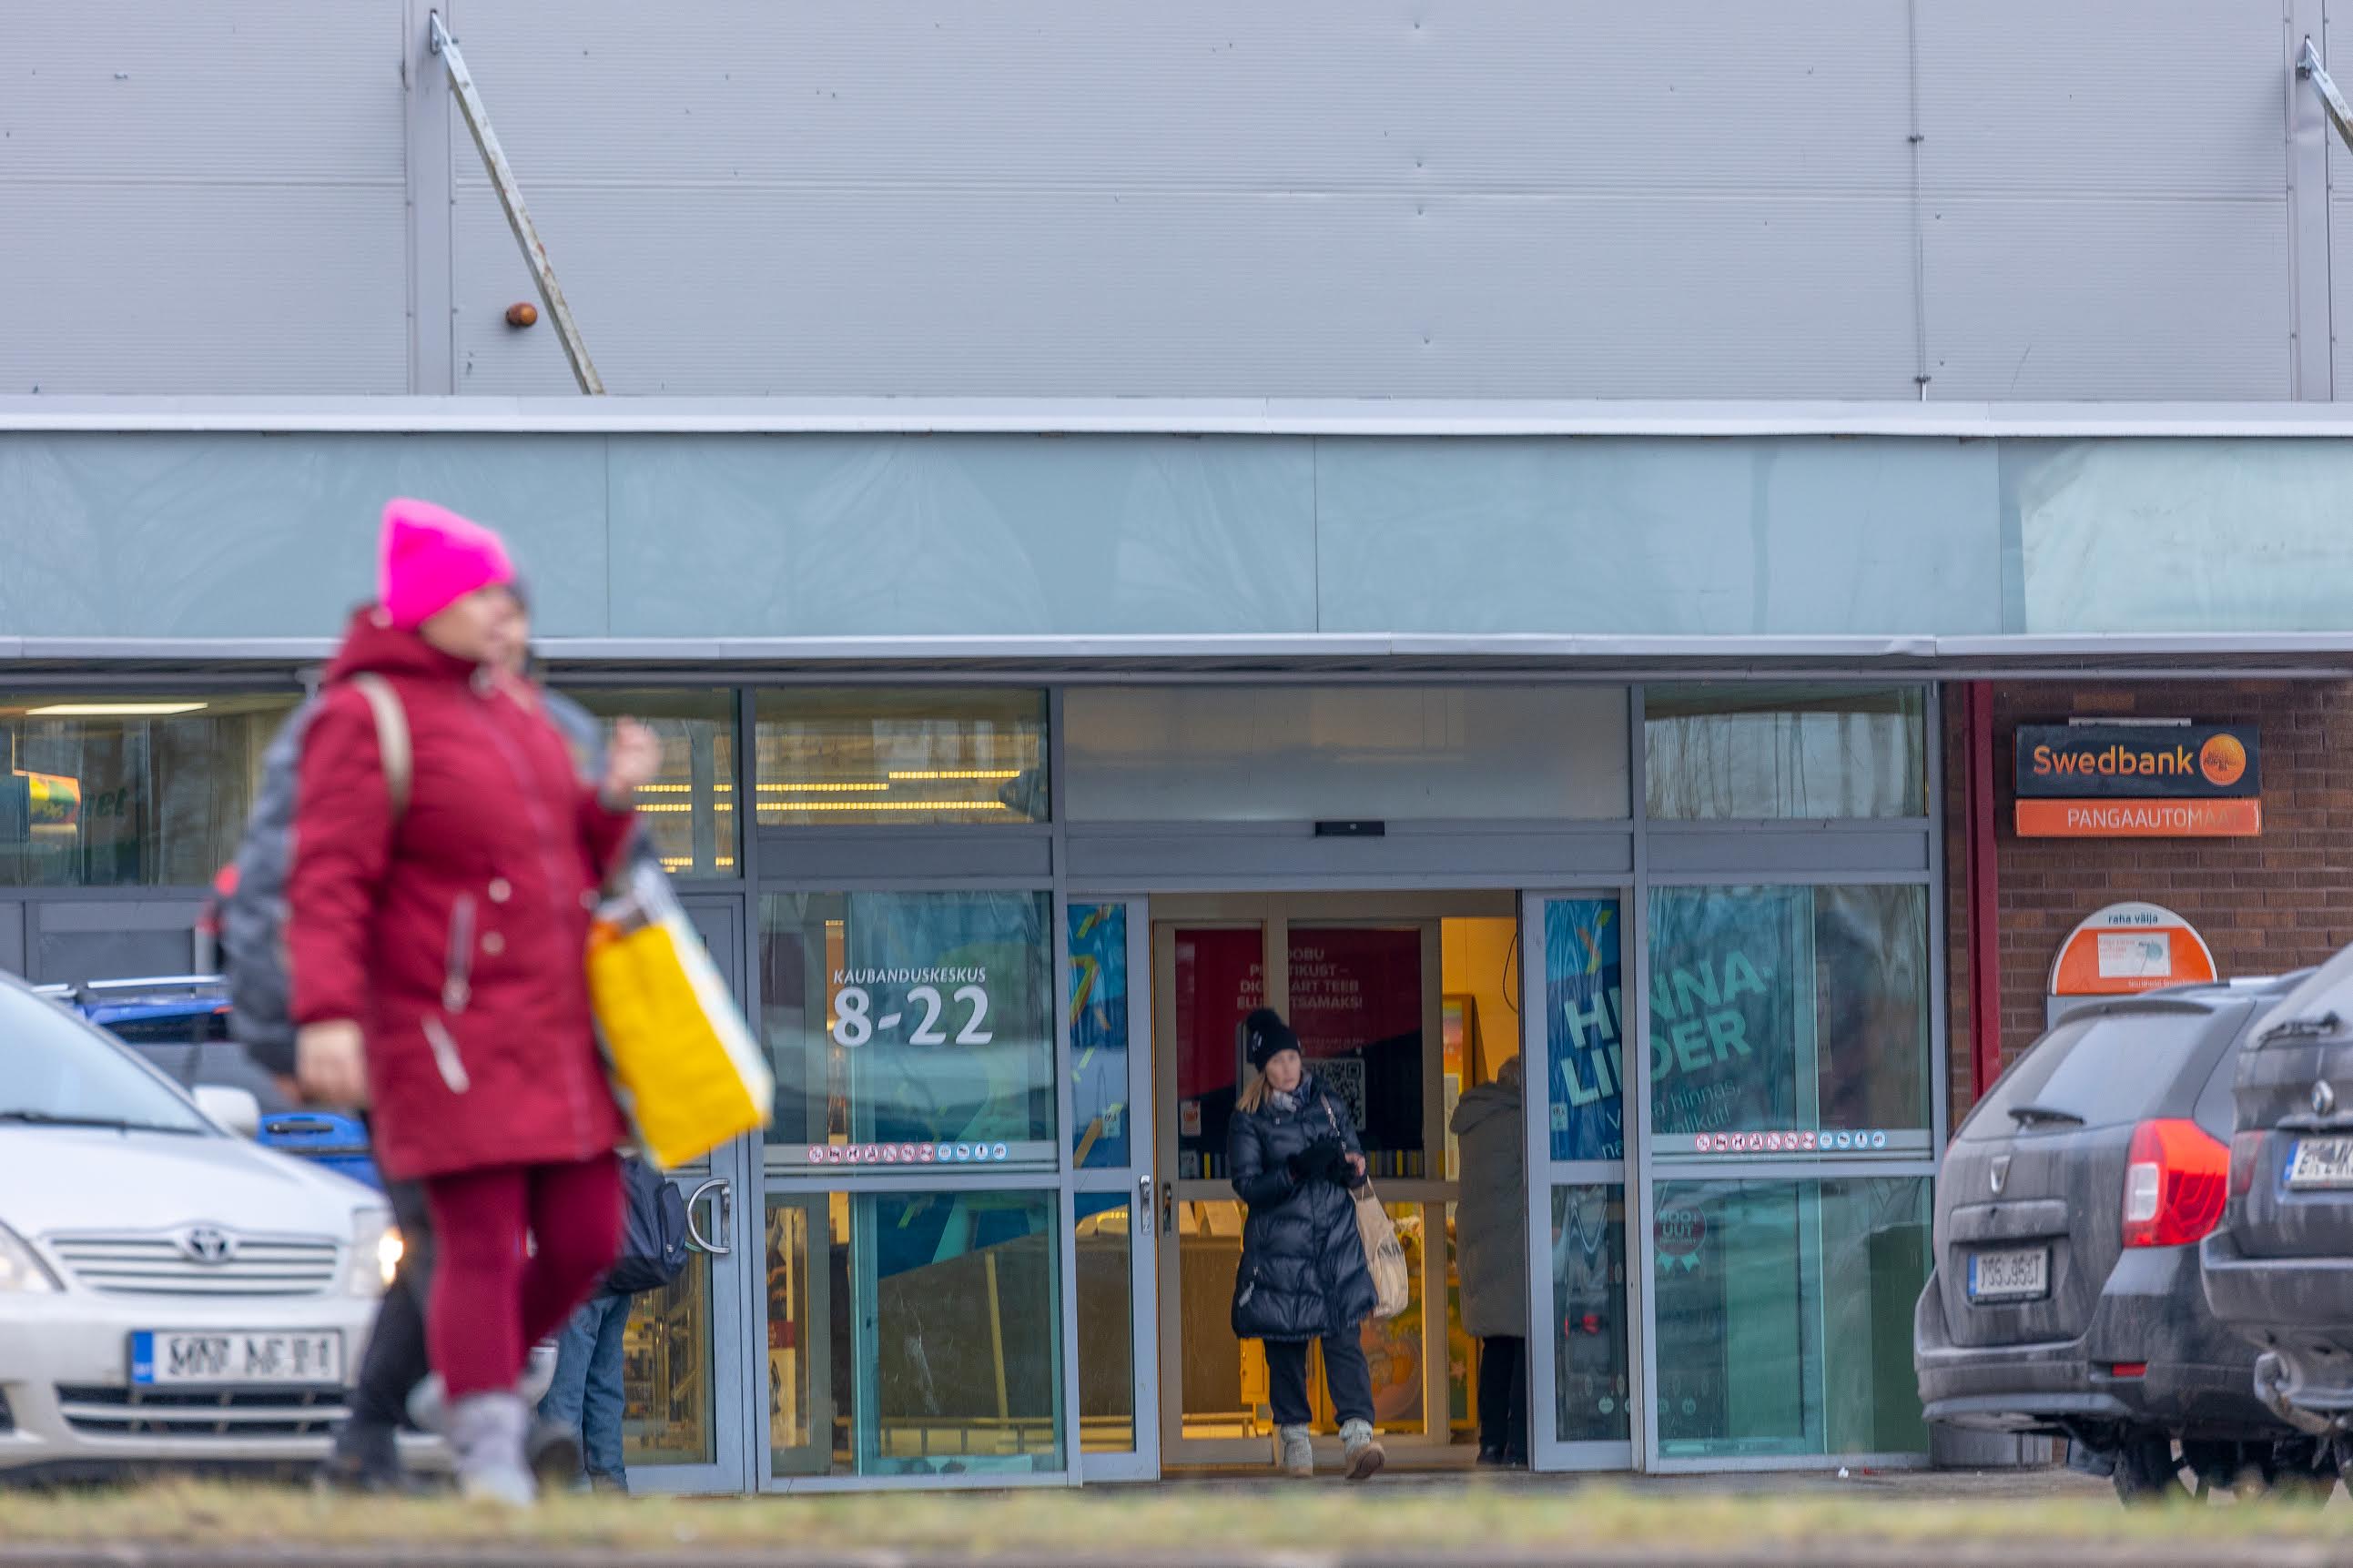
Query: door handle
x=1167 y=1208
x=726 y=1215
x=1143 y=1196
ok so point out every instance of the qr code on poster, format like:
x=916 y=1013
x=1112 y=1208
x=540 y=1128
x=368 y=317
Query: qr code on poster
x=1344 y=1077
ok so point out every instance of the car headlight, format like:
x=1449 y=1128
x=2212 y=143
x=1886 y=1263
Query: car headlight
x=21 y=1272
x=377 y=1249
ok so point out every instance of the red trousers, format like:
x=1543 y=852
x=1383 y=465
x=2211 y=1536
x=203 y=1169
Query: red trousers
x=492 y=1299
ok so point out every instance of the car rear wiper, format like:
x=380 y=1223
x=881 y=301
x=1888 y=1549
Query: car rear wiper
x=2043 y=1113
x=110 y=1123
x=2303 y=1028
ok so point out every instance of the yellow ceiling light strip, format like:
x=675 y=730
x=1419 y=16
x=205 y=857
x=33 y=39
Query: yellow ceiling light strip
x=812 y=786
x=783 y=807
x=983 y=773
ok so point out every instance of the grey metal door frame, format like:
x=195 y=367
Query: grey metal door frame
x=724 y=1239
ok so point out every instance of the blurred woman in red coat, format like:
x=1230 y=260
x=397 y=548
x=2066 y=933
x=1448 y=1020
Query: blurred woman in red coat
x=436 y=925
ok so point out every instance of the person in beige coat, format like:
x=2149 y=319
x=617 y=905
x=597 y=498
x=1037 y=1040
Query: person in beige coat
x=1491 y=1240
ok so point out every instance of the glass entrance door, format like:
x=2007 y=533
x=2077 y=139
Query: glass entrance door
x=1113 y=1263
x=683 y=1426
x=1360 y=979
x=1583 y=1354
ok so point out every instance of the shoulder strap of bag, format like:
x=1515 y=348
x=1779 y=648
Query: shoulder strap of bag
x=391 y=739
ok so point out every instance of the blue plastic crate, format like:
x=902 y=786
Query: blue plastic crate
x=338 y=1143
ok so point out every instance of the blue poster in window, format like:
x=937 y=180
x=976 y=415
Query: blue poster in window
x=1099 y=1035
x=1585 y=1029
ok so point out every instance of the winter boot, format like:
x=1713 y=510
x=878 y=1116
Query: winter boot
x=488 y=1432
x=1361 y=1450
x=365 y=1461
x=1295 y=1450
x=553 y=1450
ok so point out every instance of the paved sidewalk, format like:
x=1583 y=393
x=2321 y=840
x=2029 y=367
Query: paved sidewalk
x=1968 y=1520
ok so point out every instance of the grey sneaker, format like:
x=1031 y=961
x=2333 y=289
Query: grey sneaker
x=1361 y=1450
x=1294 y=1451
x=488 y=1432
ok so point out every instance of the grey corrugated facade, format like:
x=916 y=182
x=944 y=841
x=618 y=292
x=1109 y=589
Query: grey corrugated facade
x=2112 y=199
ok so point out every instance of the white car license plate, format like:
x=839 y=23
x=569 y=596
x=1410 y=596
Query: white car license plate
x=2322 y=1162
x=2023 y=1274
x=227 y=1359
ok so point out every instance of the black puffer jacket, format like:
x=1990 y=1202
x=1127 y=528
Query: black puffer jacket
x=1303 y=1272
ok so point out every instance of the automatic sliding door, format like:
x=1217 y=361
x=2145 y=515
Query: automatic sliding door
x=1114 y=1200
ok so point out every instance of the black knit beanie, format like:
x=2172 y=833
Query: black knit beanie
x=1268 y=1036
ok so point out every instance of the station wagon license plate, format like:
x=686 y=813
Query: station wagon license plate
x=2020 y=1275
x=215 y=1359
x=2322 y=1162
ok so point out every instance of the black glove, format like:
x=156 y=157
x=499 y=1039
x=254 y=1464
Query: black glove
x=1319 y=1160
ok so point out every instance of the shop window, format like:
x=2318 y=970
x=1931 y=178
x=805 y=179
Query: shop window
x=913 y=1334
x=690 y=808
x=1106 y=1301
x=1790 y=1021
x=1785 y=1317
x=1585 y=1018
x=831 y=758
x=1592 y=1335
x=1102 y=1134
x=1738 y=752
x=1303 y=754
x=147 y=791
x=910 y=1030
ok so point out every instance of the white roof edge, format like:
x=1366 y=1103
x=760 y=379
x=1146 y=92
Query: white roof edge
x=1240 y=416
x=1926 y=650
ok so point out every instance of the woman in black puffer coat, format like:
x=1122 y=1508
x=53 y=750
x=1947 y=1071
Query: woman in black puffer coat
x=1295 y=1156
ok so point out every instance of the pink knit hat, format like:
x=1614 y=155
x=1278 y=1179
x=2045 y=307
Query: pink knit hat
x=429 y=558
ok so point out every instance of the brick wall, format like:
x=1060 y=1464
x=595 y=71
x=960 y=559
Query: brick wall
x=2266 y=904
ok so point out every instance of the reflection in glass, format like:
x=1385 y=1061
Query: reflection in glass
x=1755 y=751
x=147 y=791
x=690 y=808
x=1098 y=1062
x=902 y=757
x=1785 y=1317
x=913 y=1334
x=908 y=1028
x=667 y=1353
x=1300 y=753
x=1790 y=1010
x=1219 y=978
x=1225 y=1389
x=1585 y=1018
x=1106 y=1325
x=1356 y=1003
x=1592 y=1333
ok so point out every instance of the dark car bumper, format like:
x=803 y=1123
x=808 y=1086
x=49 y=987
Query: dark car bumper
x=2199 y=1381
x=2299 y=1310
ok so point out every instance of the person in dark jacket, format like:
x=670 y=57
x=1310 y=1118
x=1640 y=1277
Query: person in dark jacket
x=1295 y=1156
x=589 y=1393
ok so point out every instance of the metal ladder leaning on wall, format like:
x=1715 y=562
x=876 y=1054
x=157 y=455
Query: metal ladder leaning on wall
x=2308 y=66
x=502 y=180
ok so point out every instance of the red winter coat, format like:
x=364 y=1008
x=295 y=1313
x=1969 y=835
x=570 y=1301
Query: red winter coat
x=455 y=937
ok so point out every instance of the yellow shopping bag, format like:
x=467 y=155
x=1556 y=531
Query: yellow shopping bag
x=684 y=1064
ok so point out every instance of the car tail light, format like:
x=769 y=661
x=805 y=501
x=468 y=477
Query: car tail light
x=2246 y=1153
x=2129 y=1369
x=2175 y=1184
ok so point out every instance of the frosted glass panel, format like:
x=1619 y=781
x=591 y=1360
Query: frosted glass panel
x=1300 y=753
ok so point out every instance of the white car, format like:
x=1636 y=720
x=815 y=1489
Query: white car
x=170 y=1294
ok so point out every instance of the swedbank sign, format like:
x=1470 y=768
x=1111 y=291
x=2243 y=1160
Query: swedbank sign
x=2139 y=781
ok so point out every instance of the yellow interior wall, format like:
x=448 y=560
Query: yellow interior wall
x=1474 y=955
